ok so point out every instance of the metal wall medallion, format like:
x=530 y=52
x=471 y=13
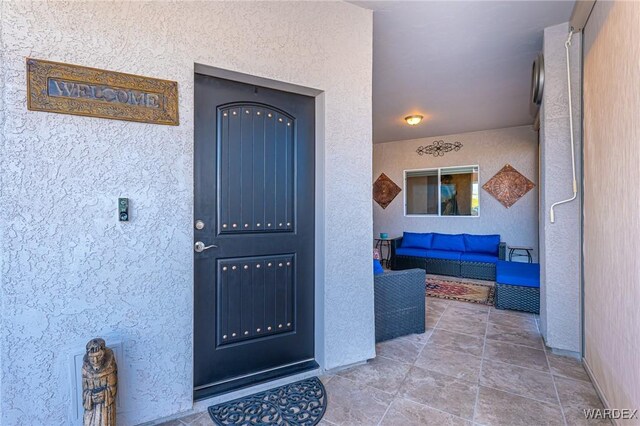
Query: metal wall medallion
x=439 y=148
x=385 y=190
x=77 y=90
x=508 y=186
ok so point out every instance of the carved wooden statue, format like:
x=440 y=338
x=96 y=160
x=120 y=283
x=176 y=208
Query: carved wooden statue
x=99 y=385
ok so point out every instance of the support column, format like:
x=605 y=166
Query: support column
x=560 y=242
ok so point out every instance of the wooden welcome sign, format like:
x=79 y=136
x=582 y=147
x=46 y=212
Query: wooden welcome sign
x=73 y=89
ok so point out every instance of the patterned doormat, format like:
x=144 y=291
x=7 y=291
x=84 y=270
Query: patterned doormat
x=473 y=292
x=301 y=403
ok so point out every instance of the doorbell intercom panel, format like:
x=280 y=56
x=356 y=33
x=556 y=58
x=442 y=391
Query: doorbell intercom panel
x=123 y=209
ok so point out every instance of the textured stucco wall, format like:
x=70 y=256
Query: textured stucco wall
x=612 y=201
x=491 y=150
x=70 y=271
x=559 y=242
x=2 y=253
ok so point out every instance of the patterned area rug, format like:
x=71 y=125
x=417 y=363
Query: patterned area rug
x=297 y=404
x=474 y=292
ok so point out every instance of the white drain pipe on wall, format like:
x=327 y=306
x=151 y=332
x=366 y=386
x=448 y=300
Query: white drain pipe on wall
x=579 y=16
x=573 y=153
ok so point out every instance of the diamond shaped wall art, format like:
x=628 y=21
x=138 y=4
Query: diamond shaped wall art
x=508 y=186
x=385 y=190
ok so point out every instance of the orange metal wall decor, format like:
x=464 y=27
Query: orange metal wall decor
x=385 y=190
x=508 y=186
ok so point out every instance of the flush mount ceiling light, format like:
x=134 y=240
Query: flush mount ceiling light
x=412 y=120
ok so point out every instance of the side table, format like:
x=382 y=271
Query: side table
x=521 y=251
x=384 y=243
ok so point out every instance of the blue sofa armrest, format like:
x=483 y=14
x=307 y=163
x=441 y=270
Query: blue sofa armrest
x=502 y=251
x=396 y=243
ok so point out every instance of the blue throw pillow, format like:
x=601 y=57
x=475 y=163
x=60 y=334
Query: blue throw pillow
x=377 y=267
x=448 y=242
x=416 y=240
x=482 y=244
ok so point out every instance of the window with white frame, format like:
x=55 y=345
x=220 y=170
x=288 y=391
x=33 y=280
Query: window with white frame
x=445 y=191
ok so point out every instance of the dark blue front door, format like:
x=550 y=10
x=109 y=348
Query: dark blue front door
x=253 y=234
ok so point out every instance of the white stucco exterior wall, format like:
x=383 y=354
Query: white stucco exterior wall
x=71 y=271
x=491 y=150
x=560 y=245
x=2 y=253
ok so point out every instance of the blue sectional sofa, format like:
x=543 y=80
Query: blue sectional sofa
x=459 y=255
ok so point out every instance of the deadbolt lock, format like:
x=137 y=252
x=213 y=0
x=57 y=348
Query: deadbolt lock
x=199 y=225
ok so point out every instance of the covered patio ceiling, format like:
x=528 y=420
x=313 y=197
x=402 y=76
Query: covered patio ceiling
x=464 y=65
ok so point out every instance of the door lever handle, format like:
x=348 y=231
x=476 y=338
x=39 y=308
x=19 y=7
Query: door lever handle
x=199 y=247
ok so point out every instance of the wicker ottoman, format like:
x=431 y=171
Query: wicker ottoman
x=518 y=286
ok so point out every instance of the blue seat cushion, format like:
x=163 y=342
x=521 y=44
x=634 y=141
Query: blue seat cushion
x=416 y=240
x=416 y=252
x=518 y=273
x=448 y=242
x=479 y=257
x=444 y=254
x=482 y=243
x=377 y=267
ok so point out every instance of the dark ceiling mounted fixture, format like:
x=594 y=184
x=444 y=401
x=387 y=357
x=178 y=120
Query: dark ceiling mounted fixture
x=537 y=88
x=537 y=80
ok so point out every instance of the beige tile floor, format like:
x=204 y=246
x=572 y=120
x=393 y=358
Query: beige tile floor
x=474 y=365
